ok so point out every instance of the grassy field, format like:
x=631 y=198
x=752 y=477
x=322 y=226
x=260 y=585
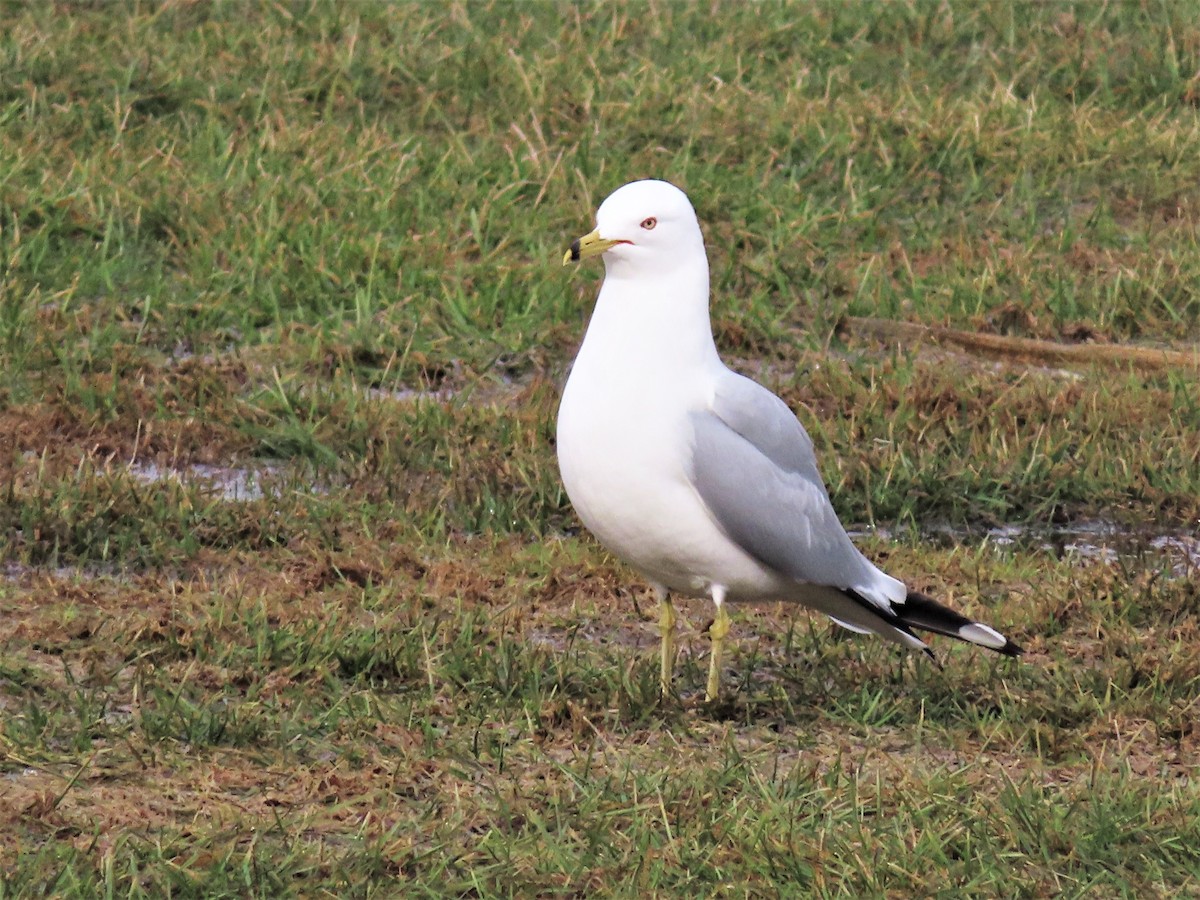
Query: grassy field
x=292 y=600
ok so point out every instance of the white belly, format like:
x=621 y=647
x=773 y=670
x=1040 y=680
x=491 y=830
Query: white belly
x=624 y=458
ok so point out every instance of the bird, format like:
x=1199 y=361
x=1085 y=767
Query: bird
x=699 y=478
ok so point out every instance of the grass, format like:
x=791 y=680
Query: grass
x=314 y=248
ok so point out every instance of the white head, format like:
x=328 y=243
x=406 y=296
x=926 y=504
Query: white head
x=643 y=228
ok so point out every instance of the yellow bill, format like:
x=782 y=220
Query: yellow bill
x=588 y=246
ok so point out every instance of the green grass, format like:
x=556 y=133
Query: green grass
x=319 y=243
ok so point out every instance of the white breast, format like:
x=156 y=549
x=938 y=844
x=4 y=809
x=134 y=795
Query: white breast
x=623 y=451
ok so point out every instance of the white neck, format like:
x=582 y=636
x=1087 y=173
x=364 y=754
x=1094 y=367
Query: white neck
x=660 y=319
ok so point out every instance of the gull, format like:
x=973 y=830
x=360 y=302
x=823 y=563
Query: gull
x=699 y=478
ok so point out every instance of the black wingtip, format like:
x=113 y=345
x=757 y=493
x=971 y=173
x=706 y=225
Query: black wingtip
x=1011 y=649
x=925 y=613
x=937 y=663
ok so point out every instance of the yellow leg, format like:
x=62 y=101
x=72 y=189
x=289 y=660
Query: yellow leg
x=718 y=631
x=666 y=625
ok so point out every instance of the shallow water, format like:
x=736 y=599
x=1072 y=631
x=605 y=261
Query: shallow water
x=1106 y=542
x=1093 y=540
x=411 y=395
x=226 y=482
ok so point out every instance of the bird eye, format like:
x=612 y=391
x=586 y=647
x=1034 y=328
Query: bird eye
x=649 y=223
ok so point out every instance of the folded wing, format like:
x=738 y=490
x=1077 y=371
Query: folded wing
x=753 y=465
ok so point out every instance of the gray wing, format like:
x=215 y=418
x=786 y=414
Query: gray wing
x=753 y=465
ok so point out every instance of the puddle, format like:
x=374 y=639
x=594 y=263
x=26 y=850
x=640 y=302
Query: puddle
x=227 y=483
x=595 y=634
x=485 y=390
x=1098 y=541
x=1187 y=547
x=15 y=571
x=1085 y=540
x=412 y=395
x=1105 y=542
